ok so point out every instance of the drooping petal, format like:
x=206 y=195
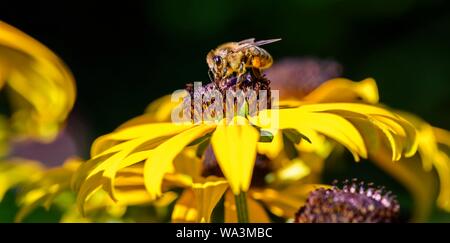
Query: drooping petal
x=124 y=148
x=256 y=212
x=340 y=121
x=43 y=88
x=409 y=172
x=402 y=132
x=442 y=136
x=163 y=156
x=87 y=189
x=234 y=146
x=207 y=194
x=433 y=154
x=331 y=125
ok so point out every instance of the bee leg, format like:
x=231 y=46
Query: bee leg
x=241 y=69
x=256 y=73
x=211 y=75
x=241 y=74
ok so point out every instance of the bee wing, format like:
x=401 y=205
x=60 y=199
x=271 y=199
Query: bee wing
x=247 y=41
x=265 y=42
x=251 y=42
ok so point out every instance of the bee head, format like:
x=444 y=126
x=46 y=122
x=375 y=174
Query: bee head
x=217 y=64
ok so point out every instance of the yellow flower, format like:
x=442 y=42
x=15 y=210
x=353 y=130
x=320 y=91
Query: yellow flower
x=416 y=173
x=286 y=189
x=15 y=172
x=41 y=87
x=52 y=187
x=155 y=145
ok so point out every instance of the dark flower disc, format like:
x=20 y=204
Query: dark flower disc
x=353 y=203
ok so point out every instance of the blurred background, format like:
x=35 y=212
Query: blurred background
x=126 y=54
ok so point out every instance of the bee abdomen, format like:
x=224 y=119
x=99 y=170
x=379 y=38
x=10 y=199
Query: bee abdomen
x=258 y=58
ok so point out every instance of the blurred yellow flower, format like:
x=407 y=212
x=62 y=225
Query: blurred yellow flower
x=416 y=173
x=52 y=187
x=40 y=86
x=15 y=172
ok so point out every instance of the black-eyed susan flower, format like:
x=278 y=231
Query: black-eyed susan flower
x=235 y=143
x=40 y=86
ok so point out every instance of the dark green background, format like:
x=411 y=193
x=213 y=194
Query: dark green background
x=125 y=54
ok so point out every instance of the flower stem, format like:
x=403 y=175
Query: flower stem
x=241 y=207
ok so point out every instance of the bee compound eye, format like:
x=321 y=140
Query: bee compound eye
x=217 y=60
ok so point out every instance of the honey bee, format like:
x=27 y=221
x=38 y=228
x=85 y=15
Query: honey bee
x=236 y=58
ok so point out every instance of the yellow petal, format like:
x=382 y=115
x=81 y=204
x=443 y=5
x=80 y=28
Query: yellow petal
x=124 y=151
x=132 y=195
x=161 y=109
x=331 y=125
x=295 y=171
x=409 y=172
x=162 y=157
x=234 y=146
x=442 y=136
x=442 y=165
x=42 y=189
x=108 y=167
x=185 y=210
x=273 y=148
x=29 y=204
x=344 y=90
x=338 y=90
x=152 y=130
x=88 y=188
x=193 y=168
x=18 y=171
x=207 y=194
x=256 y=212
x=343 y=123
x=392 y=123
x=285 y=202
x=43 y=89
x=433 y=154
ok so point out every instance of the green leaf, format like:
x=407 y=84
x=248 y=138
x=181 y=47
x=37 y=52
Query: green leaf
x=295 y=136
x=265 y=136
